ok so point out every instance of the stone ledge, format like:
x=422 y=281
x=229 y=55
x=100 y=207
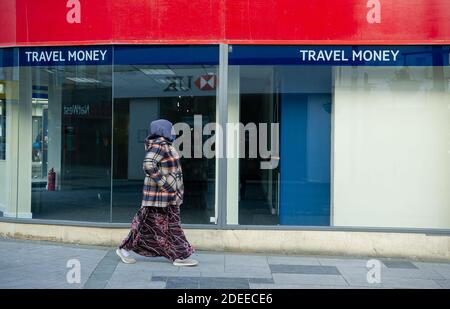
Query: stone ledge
x=343 y=243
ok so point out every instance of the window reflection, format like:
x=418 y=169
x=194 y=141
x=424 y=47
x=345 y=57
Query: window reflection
x=71 y=142
x=297 y=190
x=145 y=93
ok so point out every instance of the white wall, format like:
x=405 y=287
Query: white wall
x=392 y=148
x=8 y=167
x=4 y=186
x=24 y=168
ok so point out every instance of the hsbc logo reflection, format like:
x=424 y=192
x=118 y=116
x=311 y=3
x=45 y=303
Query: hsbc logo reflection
x=178 y=83
x=206 y=82
x=185 y=83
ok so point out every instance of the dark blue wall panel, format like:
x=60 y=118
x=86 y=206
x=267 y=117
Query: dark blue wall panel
x=304 y=196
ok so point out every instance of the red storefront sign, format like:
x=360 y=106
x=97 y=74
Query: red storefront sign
x=73 y=22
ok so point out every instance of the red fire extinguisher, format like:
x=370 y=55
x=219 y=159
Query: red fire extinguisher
x=51 y=180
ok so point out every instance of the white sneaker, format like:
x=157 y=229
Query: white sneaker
x=185 y=262
x=126 y=260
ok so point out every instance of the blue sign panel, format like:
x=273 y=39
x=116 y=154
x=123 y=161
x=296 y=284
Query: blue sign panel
x=340 y=55
x=8 y=57
x=166 y=55
x=54 y=56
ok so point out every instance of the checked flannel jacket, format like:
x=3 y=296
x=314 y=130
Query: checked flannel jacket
x=163 y=184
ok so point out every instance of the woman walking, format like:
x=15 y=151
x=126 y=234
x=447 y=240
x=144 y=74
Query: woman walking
x=156 y=228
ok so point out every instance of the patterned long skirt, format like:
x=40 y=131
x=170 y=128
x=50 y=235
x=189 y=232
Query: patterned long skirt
x=156 y=231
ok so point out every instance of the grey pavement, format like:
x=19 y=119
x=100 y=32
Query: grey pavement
x=42 y=265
